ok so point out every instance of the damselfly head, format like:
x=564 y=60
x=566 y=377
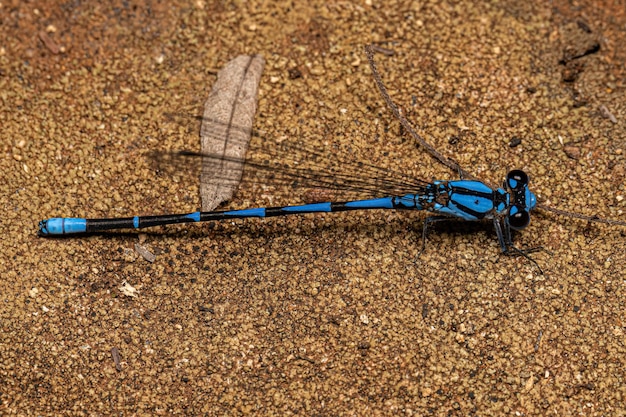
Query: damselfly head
x=522 y=199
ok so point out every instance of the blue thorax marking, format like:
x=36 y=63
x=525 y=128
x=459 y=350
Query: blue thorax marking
x=468 y=200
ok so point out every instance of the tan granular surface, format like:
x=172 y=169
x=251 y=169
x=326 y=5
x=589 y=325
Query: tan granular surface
x=320 y=314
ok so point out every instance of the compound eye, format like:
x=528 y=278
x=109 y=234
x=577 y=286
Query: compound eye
x=516 y=179
x=518 y=219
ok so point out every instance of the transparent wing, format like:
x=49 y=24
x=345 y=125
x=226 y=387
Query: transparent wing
x=294 y=163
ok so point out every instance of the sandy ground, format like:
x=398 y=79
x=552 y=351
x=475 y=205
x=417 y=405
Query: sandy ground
x=320 y=314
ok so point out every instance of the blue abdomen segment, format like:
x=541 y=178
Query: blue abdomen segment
x=376 y=203
x=195 y=216
x=254 y=212
x=407 y=201
x=308 y=208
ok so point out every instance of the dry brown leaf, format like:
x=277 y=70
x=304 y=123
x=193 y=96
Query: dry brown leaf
x=227 y=126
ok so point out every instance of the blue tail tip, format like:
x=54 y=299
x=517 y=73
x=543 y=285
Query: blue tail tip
x=61 y=225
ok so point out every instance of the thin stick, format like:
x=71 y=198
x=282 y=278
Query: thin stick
x=396 y=112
